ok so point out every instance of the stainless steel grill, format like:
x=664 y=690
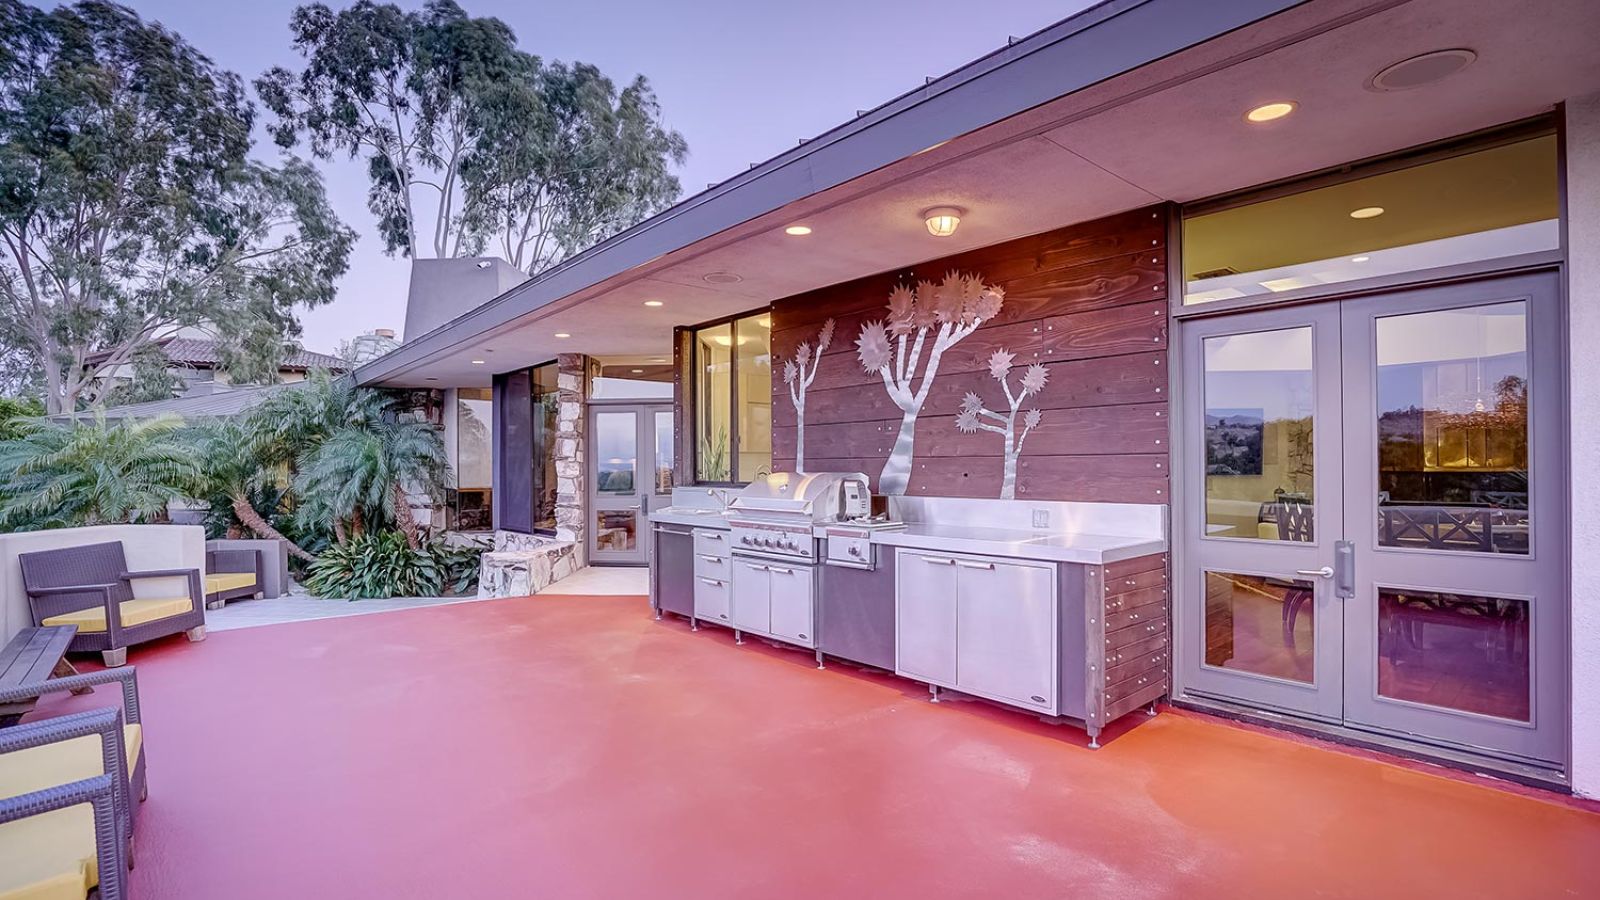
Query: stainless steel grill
x=772 y=517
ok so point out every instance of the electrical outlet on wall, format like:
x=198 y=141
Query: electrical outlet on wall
x=1041 y=518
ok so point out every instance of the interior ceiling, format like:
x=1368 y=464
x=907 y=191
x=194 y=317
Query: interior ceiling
x=1172 y=130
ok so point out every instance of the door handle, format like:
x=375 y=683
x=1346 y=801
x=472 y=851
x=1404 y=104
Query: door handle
x=1344 y=560
x=1324 y=572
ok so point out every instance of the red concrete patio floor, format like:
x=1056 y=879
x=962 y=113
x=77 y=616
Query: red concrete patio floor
x=574 y=747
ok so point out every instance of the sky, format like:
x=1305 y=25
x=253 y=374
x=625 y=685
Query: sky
x=742 y=80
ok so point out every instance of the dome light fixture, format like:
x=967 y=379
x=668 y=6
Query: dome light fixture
x=1267 y=112
x=562 y=334
x=943 y=220
x=1366 y=212
x=798 y=230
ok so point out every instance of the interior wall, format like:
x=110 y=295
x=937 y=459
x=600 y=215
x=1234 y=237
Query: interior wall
x=1088 y=302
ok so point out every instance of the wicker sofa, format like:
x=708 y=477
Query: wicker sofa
x=231 y=574
x=90 y=586
x=65 y=810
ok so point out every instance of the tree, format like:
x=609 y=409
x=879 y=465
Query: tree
x=93 y=473
x=799 y=378
x=949 y=310
x=974 y=415
x=234 y=464
x=128 y=208
x=471 y=143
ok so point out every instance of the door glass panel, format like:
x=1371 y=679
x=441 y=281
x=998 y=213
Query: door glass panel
x=1452 y=392
x=616 y=529
x=616 y=452
x=1264 y=626
x=1258 y=435
x=1455 y=651
x=713 y=402
x=664 y=450
x=754 y=412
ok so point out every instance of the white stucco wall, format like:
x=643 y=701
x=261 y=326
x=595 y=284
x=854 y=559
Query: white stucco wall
x=144 y=546
x=1583 y=294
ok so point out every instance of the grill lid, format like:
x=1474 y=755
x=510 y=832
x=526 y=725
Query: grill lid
x=813 y=496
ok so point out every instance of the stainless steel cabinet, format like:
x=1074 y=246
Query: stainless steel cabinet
x=672 y=570
x=752 y=596
x=792 y=597
x=1007 y=638
x=982 y=625
x=925 y=616
x=712 y=576
x=711 y=600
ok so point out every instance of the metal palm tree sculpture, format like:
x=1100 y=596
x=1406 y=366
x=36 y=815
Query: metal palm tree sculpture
x=949 y=311
x=975 y=417
x=798 y=377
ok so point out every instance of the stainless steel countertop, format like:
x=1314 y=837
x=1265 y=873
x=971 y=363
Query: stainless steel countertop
x=1090 y=549
x=697 y=518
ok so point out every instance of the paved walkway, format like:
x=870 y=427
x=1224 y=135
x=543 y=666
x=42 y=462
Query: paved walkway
x=574 y=747
x=595 y=580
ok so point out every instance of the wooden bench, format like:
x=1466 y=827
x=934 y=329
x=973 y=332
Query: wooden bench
x=34 y=655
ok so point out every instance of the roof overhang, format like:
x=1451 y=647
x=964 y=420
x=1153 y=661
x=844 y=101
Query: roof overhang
x=1129 y=103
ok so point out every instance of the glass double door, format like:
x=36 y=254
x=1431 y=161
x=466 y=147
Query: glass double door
x=1374 y=515
x=630 y=473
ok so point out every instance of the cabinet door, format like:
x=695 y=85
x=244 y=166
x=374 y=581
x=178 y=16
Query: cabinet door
x=793 y=595
x=752 y=596
x=672 y=571
x=711 y=600
x=1007 y=623
x=925 y=616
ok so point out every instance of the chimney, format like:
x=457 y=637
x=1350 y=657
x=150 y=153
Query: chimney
x=446 y=289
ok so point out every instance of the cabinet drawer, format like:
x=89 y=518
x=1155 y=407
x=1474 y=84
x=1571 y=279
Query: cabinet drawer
x=1122 y=637
x=1136 y=663
x=1120 y=571
x=1141 y=597
x=1137 y=684
x=1143 y=645
x=709 y=566
x=711 y=600
x=1124 y=618
x=711 y=542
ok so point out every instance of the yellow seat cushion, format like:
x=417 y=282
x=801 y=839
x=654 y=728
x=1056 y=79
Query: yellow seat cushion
x=1267 y=530
x=227 y=581
x=134 y=612
x=52 y=856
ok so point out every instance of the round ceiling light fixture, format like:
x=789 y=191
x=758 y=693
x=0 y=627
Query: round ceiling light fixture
x=1359 y=259
x=477 y=362
x=1267 y=112
x=942 y=221
x=563 y=334
x=798 y=230
x=1366 y=212
x=721 y=278
x=1421 y=70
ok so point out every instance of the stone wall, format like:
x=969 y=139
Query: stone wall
x=571 y=473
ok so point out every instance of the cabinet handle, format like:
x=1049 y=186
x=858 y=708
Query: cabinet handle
x=988 y=567
x=937 y=560
x=780 y=572
x=711 y=559
x=711 y=536
x=712 y=581
x=755 y=568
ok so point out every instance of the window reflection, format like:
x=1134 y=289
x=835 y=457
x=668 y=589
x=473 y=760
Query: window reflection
x=1455 y=651
x=1263 y=626
x=1258 y=435
x=474 y=462
x=1453 y=430
x=733 y=400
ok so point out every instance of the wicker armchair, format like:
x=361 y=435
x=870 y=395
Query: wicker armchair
x=231 y=574
x=90 y=587
x=64 y=828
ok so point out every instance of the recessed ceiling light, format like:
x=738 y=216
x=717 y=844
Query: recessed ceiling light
x=431 y=379
x=663 y=359
x=1266 y=112
x=1359 y=258
x=1366 y=212
x=562 y=334
x=638 y=371
x=721 y=278
x=652 y=303
x=1420 y=70
x=477 y=362
x=798 y=230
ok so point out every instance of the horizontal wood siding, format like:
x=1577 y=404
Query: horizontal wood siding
x=1087 y=302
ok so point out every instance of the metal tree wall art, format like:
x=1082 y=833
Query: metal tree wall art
x=798 y=377
x=975 y=417
x=947 y=311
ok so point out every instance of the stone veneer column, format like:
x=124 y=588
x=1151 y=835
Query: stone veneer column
x=572 y=489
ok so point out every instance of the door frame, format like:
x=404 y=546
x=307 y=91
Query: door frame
x=1181 y=320
x=644 y=496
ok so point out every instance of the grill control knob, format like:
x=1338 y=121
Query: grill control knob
x=854 y=550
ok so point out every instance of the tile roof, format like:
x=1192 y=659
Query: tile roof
x=220 y=404
x=202 y=351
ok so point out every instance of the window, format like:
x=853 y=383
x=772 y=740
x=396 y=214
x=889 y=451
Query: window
x=545 y=398
x=1496 y=202
x=732 y=398
x=474 y=428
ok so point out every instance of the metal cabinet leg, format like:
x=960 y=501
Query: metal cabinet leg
x=1094 y=739
x=694 y=624
x=1152 y=710
x=934 y=690
x=738 y=637
x=819 y=660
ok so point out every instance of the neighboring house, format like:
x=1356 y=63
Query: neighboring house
x=1215 y=225
x=196 y=363
x=366 y=347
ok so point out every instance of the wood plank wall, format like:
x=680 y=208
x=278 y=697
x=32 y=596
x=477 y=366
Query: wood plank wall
x=1089 y=302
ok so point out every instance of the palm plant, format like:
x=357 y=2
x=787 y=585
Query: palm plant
x=236 y=463
x=92 y=473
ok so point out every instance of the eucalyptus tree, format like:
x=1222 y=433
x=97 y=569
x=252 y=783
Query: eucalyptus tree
x=471 y=144
x=128 y=206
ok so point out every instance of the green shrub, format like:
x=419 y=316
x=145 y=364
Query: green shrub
x=378 y=565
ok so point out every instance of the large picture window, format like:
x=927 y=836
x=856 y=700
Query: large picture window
x=732 y=398
x=545 y=402
x=474 y=429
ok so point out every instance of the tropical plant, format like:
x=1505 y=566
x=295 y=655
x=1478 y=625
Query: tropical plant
x=93 y=473
x=130 y=208
x=976 y=417
x=536 y=160
x=377 y=565
x=234 y=465
x=949 y=310
x=14 y=415
x=366 y=474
